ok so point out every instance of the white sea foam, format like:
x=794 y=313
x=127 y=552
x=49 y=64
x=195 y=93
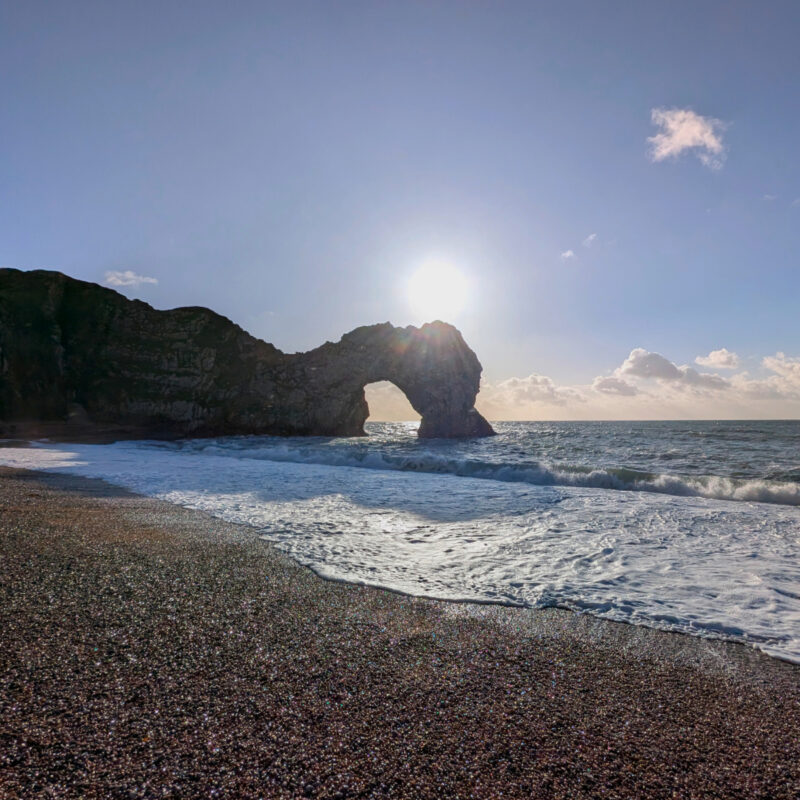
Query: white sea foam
x=691 y=564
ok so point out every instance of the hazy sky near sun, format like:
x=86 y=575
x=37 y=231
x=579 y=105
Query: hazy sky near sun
x=618 y=182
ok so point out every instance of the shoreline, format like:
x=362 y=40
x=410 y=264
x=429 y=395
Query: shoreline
x=470 y=601
x=475 y=606
x=390 y=695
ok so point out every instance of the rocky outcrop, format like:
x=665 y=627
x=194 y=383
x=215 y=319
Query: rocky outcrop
x=77 y=358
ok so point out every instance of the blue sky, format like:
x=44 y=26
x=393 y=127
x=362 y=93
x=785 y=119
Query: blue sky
x=291 y=165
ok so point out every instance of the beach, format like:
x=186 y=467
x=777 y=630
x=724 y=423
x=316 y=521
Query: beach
x=399 y=400
x=154 y=651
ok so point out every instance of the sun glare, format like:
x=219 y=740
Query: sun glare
x=437 y=290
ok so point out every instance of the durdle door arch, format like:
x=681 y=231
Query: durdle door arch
x=78 y=359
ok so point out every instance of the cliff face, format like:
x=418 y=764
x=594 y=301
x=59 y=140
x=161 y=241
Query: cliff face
x=76 y=357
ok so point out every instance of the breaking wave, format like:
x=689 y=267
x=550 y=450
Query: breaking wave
x=536 y=473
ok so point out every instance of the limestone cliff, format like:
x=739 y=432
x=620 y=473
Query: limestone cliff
x=76 y=357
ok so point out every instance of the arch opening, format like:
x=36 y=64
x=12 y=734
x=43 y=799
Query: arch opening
x=388 y=403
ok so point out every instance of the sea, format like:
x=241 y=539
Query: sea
x=685 y=526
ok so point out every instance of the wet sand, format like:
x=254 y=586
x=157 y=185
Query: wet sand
x=150 y=651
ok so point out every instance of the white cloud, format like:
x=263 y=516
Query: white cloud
x=788 y=369
x=684 y=130
x=796 y=201
x=644 y=364
x=127 y=278
x=770 y=197
x=567 y=254
x=590 y=240
x=609 y=384
x=719 y=359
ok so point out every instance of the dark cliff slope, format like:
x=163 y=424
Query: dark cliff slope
x=77 y=358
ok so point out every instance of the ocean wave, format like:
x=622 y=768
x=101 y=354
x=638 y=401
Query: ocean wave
x=538 y=474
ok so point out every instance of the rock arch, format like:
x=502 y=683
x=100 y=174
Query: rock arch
x=431 y=365
x=77 y=358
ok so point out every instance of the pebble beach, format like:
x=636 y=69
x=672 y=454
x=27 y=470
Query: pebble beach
x=152 y=651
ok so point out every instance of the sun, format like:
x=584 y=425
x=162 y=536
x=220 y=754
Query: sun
x=437 y=290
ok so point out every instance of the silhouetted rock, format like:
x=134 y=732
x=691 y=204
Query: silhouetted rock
x=77 y=360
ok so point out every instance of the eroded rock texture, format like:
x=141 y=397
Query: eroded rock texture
x=77 y=358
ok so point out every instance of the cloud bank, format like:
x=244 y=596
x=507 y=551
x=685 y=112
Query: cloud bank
x=645 y=385
x=533 y=390
x=787 y=369
x=683 y=130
